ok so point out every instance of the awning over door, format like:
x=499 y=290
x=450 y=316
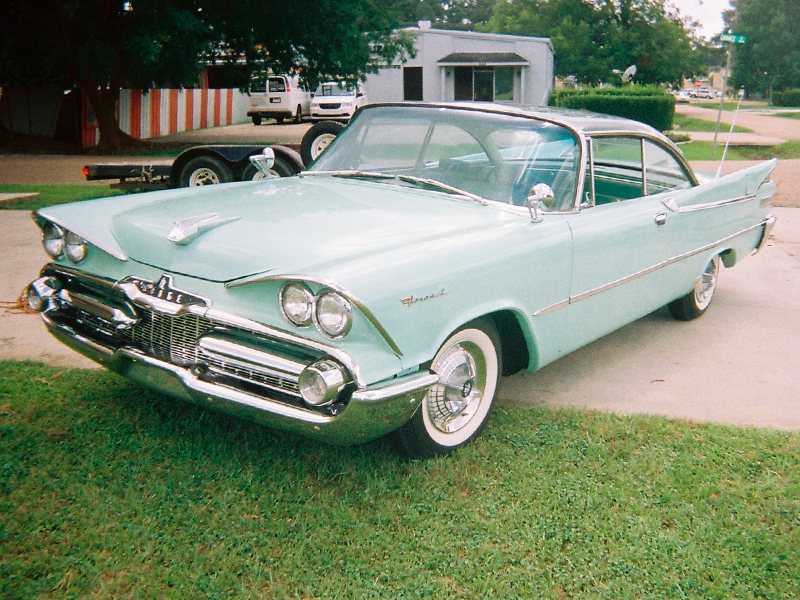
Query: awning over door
x=483 y=59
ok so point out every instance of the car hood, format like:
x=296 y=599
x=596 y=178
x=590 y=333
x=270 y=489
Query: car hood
x=288 y=226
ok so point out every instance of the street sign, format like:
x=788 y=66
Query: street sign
x=737 y=39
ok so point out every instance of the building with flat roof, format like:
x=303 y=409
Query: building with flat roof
x=455 y=65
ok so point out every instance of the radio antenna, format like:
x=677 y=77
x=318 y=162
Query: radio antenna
x=730 y=132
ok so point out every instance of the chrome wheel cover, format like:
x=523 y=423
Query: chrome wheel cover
x=706 y=284
x=203 y=176
x=457 y=406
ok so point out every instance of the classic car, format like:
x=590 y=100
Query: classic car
x=429 y=250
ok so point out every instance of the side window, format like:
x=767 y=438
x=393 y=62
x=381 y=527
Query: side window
x=618 y=172
x=663 y=171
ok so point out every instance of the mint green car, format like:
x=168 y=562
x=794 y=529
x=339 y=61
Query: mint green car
x=428 y=251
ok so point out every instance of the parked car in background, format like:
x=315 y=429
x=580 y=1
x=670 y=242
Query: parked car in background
x=337 y=100
x=430 y=249
x=681 y=95
x=703 y=93
x=277 y=97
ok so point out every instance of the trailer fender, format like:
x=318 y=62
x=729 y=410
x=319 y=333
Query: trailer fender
x=234 y=159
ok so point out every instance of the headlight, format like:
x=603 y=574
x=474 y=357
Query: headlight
x=74 y=247
x=53 y=239
x=333 y=315
x=321 y=382
x=297 y=304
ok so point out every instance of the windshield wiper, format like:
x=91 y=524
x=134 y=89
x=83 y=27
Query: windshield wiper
x=351 y=173
x=443 y=187
x=431 y=183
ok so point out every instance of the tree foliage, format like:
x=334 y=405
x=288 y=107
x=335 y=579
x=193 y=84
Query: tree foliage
x=771 y=57
x=100 y=46
x=593 y=38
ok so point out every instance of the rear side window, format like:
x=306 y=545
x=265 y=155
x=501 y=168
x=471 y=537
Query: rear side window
x=276 y=84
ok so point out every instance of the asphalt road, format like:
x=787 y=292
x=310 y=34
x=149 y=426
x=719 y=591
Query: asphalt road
x=738 y=364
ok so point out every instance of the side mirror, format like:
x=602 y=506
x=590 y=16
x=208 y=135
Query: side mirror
x=541 y=192
x=264 y=162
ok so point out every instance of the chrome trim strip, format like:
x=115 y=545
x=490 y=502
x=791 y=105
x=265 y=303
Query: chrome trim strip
x=118 y=254
x=397 y=387
x=329 y=284
x=245 y=355
x=670 y=203
x=643 y=272
x=95 y=307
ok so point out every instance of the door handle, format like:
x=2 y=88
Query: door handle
x=661 y=219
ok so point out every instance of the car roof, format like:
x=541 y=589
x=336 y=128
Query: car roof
x=578 y=120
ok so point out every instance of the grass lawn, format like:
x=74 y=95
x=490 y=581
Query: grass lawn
x=107 y=490
x=50 y=194
x=786 y=115
x=682 y=123
x=732 y=104
x=702 y=151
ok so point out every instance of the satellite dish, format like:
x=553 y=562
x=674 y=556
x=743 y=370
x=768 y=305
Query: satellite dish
x=627 y=76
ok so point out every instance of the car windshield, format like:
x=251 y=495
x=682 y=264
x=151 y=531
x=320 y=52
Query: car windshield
x=493 y=156
x=335 y=89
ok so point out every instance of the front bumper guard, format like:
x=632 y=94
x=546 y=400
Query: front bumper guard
x=372 y=411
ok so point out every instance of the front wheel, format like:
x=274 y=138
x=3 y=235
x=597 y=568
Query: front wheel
x=455 y=410
x=256 y=120
x=205 y=170
x=696 y=302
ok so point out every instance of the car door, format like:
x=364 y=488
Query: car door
x=621 y=237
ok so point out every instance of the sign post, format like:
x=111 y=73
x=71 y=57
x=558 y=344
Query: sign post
x=732 y=39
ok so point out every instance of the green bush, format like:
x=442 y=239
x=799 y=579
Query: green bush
x=787 y=98
x=648 y=104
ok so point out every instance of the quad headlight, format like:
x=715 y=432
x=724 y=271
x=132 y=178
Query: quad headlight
x=333 y=315
x=297 y=304
x=74 y=247
x=53 y=240
x=58 y=242
x=330 y=311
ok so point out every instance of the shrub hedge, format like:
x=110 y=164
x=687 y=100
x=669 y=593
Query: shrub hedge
x=648 y=104
x=787 y=98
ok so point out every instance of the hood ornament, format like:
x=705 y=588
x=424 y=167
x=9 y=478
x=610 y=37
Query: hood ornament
x=187 y=229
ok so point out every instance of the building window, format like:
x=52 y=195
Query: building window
x=412 y=83
x=484 y=84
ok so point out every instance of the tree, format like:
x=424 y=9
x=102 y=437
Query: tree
x=771 y=57
x=100 y=46
x=592 y=38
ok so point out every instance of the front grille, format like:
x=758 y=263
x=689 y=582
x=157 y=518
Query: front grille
x=329 y=106
x=272 y=381
x=169 y=338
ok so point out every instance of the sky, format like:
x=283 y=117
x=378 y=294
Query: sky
x=706 y=12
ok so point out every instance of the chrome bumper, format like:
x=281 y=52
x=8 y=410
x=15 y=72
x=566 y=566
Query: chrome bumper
x=370 y=413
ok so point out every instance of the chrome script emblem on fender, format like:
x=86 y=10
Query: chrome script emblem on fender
x=414 y=299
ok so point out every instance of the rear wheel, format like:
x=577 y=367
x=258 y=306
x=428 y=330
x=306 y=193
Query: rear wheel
x=205 y=170
x=456 y=409
x=317 y=138
x=696 y=302
x=298 y=114
x=279 y=119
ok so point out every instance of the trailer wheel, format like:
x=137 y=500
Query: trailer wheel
x=317 y=138
x=256 y=120
x=205 y=170
x=281 y=168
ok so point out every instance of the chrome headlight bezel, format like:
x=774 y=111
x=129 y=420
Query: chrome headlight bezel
x=333 y=314
x=53 y=239
x=300 y=294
